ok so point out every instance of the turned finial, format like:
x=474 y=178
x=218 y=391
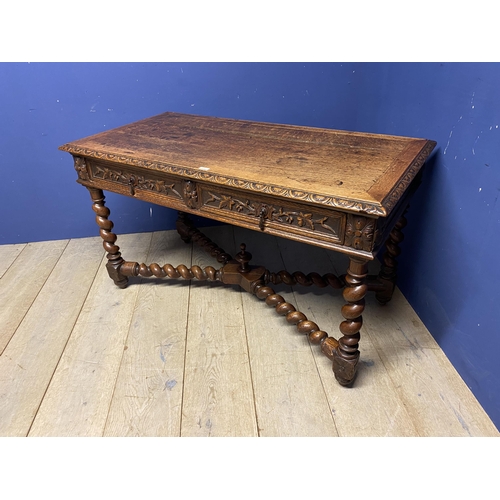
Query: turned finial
x=244 y=258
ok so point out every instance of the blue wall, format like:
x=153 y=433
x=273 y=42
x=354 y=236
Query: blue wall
x=451 y=277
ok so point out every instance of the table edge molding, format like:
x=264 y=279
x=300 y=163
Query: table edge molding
x=391 y=200
x=348 y=204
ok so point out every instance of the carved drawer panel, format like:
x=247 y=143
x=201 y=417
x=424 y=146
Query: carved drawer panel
x=266 y=214
x=135 y=183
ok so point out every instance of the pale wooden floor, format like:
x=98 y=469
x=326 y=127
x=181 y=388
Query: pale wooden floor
x=80 y=357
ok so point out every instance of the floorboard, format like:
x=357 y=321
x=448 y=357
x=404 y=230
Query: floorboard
x=28 y=362
x=8 y=254
x=30 y=266
x=147 y=400
x=218 y=395
x=77 y=400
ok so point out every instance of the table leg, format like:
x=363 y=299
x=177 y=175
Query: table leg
x=346 y=356
x=388 y=272
x=114 y=256
x=184 y=227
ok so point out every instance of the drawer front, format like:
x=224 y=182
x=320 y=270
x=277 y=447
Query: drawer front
x=134 y=183
x=269 y=215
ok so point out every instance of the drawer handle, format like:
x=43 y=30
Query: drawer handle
x=262 y=217
x=132 y=183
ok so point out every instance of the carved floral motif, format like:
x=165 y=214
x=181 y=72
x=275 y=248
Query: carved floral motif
x=81 y=168
x=301 y=219
x=360 y=232
x=231 y=203
x=191 y=194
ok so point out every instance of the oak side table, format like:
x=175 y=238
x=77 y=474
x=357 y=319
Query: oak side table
x=344 y=191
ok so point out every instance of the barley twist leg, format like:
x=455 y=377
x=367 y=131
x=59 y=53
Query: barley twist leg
x=346 y=356
x=114 y=256
x=388 y=272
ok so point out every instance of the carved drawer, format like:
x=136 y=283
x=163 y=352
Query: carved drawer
x=271 y=215
x=149 y=186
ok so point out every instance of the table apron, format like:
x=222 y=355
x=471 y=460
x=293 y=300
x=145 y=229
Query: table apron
x=334 y=229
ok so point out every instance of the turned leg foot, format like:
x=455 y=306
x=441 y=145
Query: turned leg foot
x=114 y=257
x=346 y=356
x=388 y=272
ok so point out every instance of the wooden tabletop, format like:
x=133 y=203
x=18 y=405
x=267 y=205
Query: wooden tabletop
x=352 y=170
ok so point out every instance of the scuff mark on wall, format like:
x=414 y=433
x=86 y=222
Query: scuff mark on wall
x=475 y=142
x=448 y=143
x=451 y=133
